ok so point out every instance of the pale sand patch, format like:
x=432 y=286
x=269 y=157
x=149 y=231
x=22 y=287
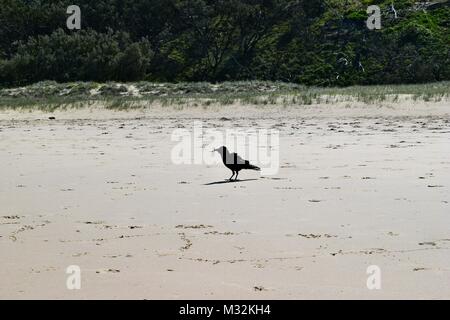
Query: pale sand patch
x=358 y=186
x=405 y=106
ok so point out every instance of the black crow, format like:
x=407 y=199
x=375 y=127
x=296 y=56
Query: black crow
x=235 y=163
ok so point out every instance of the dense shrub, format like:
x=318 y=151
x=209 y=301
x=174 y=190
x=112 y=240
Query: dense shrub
x=320 y=42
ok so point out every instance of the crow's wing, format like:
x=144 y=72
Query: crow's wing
x=234 y=158
x=238 y=160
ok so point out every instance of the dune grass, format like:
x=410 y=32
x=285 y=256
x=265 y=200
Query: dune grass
x=51 y=96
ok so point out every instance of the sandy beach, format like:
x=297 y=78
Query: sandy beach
x=358 y=185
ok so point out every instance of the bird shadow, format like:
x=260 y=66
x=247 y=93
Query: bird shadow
x=228 y=181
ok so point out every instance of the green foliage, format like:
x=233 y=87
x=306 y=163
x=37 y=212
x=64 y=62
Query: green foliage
x=320 y=42
x=85 y=55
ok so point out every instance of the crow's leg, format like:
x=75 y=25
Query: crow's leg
x=231 y=178
x=237 y=173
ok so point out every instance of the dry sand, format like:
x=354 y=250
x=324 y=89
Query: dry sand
x=357 y=186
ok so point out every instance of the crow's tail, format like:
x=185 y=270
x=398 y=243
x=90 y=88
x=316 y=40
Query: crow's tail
x=252 y=167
